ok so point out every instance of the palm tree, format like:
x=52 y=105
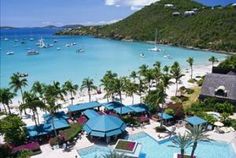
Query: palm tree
x=157 y=65
x=166 y=69
x=130 y=89
x=119 y=86
x=114 y=154
x=161 y=97
x=148 y=78
x=107 y=82
x=182 y=142
x=71 y=88
x=52 y=109
x=190 y=61
x=52 y=94
x=32 y=102
x=17 y=83
x=38 y=89
x=196 y=133
x=142 y=70
x=176 y=74
x=1 y=100
x=133 y=75
x=166 y=80
x=6 y=98
x=213 y=60
x=89 y=85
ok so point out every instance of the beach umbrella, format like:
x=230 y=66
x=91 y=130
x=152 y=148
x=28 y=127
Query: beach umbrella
x=219 y=124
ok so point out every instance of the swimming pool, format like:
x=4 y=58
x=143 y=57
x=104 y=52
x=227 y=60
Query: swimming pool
x=154 y=149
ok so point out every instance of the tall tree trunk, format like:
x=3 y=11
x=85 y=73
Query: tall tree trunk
x=191 y=72
x=71 y=98
x=5 y=109
x=89 y=95
x=193 y=149
x=120 y=97
x=132 y=98
x=37 y=116
x=35 y=120
x=9 y=110
x=53 y=125
x=21 y=91
x=182 y=153
x=176 y=83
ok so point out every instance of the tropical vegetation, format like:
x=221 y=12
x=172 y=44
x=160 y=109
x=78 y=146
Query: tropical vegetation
x=209 y=28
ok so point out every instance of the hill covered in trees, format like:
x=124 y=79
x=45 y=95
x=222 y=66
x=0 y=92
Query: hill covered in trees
x=207 y=28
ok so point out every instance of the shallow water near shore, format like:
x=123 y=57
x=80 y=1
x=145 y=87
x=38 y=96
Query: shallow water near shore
x=99 y=55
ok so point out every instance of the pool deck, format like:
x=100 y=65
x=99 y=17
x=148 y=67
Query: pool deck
x=149 y=129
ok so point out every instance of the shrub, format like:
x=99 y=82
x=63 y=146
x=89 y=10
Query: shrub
x=200 y=82
x=70 y=133
x=192 y=80
x=160 y=129
x=178 y=110
x=189 y=91
x=170 y=111
x=224 y=107
x=175 y=99
x=130 y=120
x=5 y=150
x=24 y=154
x=54 y=141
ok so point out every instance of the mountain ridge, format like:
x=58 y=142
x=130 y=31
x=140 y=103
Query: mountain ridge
x=207 y=28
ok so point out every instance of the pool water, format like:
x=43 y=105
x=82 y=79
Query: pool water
x=154 y=149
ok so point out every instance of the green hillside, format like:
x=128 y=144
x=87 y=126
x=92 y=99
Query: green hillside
x=209 y=28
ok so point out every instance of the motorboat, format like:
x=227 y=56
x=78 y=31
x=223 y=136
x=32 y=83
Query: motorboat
x=80 y=50
x=32 y=52
x=10 y=53
x=67 y=45
x=58 y=48
x=142 y=55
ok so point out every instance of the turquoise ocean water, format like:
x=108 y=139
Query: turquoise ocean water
x=99 y=56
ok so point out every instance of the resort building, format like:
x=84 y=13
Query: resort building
x=219 y=86
x=176 y=13
x=189 y=13
x=169 y=5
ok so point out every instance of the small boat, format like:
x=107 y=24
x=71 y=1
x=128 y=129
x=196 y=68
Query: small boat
x=73 y=44
x=16 y=40
x=41 y=43
x=50 y=45
x=167 y=56
x=155 y=49
x=55 y=41
x=5 y=39
x=80 y=50
x=31 y=39
x=58 y=48
x=10 y=53
x=142 y=55
x=67 y=45
x=32 y=52
x=22 y=42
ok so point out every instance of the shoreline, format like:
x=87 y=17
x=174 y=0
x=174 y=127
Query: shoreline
x=153 y=42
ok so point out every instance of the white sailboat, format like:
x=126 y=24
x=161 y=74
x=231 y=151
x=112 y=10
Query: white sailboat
x=155 y=49
x=41 y=43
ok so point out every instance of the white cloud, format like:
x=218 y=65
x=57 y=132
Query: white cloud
x=133 y=4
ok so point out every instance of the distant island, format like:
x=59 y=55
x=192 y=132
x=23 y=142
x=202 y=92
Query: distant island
x=183 y=23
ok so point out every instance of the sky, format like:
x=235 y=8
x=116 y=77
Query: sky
x=30 y=13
